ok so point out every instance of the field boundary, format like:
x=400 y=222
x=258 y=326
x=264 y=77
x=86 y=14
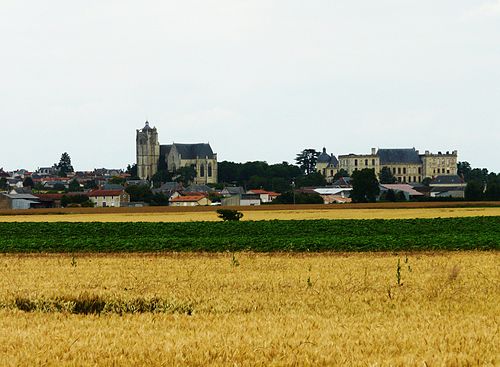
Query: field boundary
x=284 y=207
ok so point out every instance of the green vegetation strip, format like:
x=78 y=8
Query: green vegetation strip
x=482 y=233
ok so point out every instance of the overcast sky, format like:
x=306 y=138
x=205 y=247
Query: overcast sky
x=258 y=79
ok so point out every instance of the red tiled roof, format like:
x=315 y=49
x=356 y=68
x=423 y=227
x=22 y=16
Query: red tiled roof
x=49 y=196
x=261 y=192
x=188 y=198
x=96 y=193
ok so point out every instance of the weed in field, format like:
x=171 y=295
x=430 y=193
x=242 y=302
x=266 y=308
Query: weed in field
x=398 y=273
x=234 y=261
x=73 y=261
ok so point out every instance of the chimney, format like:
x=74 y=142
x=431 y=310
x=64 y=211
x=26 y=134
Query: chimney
x=455 y=152
x=374 y=150
x=427 y=152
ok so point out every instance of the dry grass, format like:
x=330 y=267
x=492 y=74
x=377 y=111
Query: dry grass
x=257 y=309
x=185 y=216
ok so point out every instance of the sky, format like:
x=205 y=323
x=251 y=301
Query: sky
x=257 y=79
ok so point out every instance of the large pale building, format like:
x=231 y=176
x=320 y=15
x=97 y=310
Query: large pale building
x=152 y=156
x=407 y=164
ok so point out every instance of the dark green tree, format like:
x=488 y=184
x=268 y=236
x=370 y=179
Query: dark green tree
x=132 y=171
x=28 y=182
x=4 y=185
x=463 y=169
x=59 y=187
x=90 y=185
x=186 y=175
x=311 y=180
x=365 y=186
x=115 y=180
x=74 y=186
x=307 y=160
x=386 y=176
x=64 y=166
x=299 y=198
x=492 y=191
x=341 y=173
x=474 y=191
x=80 y=200
x=139 y=193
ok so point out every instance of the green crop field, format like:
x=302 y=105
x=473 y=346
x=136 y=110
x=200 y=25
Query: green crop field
x=481 y=233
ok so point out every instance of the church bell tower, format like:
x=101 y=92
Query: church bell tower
x=148 y=152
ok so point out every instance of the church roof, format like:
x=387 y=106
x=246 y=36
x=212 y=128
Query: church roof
x=324 y=157
x=192 y=151
x=146 y=127
x=388 y=156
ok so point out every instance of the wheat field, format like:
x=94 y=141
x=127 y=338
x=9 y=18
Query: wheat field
x=186 y=216
x=246 y=309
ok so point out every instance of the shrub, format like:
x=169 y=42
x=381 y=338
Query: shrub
x=229 y=214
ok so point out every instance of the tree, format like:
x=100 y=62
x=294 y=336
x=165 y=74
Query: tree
x=80 y=200
x=312 y=179
x=28 y=182
x=463 y=169
x=365 y=186
x=492 y=191
x=115 y=180
x=229 y=215
x=298 y=198
x=59 y=187
x=474 y=191
x=186 y=175
x=64 y=166
x=307 y=160
x=90 y=185
x=74 y=185
x=132 y=171
x=341 y=173
x=4 y=185
x=386 y=176
x=139 y=193
x=161 y=177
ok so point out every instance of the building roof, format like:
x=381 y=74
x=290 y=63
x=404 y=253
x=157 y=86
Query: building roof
x=449 y=180
x=263 y=192
x=331 y=190
x=324 y=157
x=233 y=190
x=109 y=186
x=402 y=187
x=390 y=156
x=193 y=198
x=97 y=193
x=192 y=151
x=198 y=188
x=21 y=196
x=146 y=127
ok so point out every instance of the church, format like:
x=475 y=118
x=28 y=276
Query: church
x=151 y=155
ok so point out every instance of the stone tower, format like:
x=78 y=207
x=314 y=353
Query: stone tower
x=148 y=152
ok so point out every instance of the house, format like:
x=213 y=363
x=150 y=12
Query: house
x=191 y=200
x=18 y=201
x=241 y=200
x=327 y=165
x=331 y=195
x=109 y=198
x=265 y=196
x=448 y=186
x=408 y=191
x=232 y=190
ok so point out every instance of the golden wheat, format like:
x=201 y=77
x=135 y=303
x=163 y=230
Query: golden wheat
x=258 y=309
x=270 y=214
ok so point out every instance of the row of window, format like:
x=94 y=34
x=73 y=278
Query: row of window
x=366 y=162
x=402 y=170
x=202 y=170
x=442 y=170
